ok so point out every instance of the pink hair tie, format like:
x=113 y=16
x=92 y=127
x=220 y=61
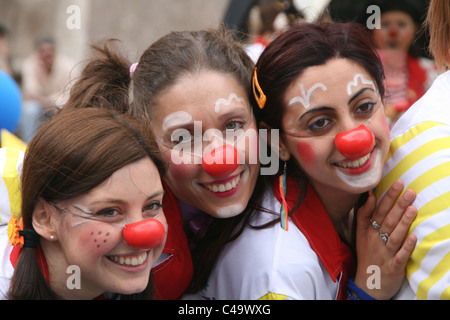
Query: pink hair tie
x=133 y=69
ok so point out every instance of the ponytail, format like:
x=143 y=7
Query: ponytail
x=104 y=82
x=28 y=282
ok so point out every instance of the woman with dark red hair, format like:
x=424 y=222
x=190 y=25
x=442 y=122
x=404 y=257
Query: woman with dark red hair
x=319 y=88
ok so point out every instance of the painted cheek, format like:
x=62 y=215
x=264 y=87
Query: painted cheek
x=97 y=239
x=306 y=153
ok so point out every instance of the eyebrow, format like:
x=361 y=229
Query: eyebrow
x=120 y=201
x=236 y=112
x=319 y=109
x=359 y=93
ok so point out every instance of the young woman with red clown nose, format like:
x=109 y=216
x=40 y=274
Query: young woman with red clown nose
x=91 y=223
x=320 y=87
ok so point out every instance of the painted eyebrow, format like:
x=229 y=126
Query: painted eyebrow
x=359 y=93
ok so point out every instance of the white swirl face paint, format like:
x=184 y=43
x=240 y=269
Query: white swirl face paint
x=176 y=119
x=305 y=97
x=227 y=102
x=355 y=81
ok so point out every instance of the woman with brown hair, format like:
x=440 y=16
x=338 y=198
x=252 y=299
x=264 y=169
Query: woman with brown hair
x=91 y=211
x=192 y=89
x=319 y=88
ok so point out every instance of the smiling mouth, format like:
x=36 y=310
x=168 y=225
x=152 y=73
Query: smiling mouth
x=225 y=186
x=130 y=261
x=353 y=164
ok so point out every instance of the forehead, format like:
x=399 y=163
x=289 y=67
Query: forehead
x=336 y=77
x=137 y=178
x=199 y=96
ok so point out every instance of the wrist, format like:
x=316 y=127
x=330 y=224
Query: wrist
x=354 y=292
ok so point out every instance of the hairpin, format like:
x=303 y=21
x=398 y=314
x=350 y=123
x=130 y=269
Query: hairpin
x=133 y=69
x=261 y=98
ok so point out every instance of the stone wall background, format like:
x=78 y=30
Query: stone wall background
x=136 y=23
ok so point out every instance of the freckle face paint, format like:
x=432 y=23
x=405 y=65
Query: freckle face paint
x=99 y=238
x=306 y=153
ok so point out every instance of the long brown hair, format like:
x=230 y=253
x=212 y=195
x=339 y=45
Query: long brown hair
x=69 y=156
x=107 y=78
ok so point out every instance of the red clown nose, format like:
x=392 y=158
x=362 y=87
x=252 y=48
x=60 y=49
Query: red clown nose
x=355 y=143
x=144 y=234
x=221 y=161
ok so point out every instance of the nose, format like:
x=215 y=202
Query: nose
x=144 y=234
x=393 y=32
x=221 y=161
x=355 y=143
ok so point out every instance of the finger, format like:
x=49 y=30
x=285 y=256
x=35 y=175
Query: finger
x=388 y=201
x=365 y=212
x=402 y=256
x=397 y=236
x=395 y=214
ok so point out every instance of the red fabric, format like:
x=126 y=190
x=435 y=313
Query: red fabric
x=313 y=221
x=14 y=256
x=173 y=276
x=417 y=79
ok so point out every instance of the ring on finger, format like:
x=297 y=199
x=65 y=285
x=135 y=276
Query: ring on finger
x=375 y=225
x=384 y=236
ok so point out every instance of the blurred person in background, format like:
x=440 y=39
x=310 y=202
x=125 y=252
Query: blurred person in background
x=4 y=50
x=408 y=76
x=45 y=75
x=273 y=16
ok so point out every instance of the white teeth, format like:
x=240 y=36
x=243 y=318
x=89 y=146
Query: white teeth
x=223 y=187
x=354 y=164
x=129 y=261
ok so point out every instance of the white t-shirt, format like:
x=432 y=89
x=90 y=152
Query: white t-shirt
x=420 y=157
x=274 y=264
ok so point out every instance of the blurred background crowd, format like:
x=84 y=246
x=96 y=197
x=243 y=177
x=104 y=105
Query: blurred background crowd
x=43 y=43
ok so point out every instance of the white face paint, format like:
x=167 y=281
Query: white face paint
x=354 y=83
x=176 y=119
x=227 y=210
x=227 y=102
x=366 y=179
x=305 y=98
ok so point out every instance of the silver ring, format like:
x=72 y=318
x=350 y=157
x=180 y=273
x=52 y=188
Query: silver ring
x=384 y=236
x=375 y=225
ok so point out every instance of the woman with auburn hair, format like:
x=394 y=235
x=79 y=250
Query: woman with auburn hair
x=320 y=88
x=192 y=88
x=91 y=207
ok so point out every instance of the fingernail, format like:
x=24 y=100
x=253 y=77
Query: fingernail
x=397 y=185
x=408 y=195
x=410 y=213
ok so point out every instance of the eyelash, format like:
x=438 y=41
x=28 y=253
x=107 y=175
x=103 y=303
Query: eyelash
x=313 y=127
x=240 y=125
x=104 y=212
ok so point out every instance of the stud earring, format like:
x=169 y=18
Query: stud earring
x=52 y=237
